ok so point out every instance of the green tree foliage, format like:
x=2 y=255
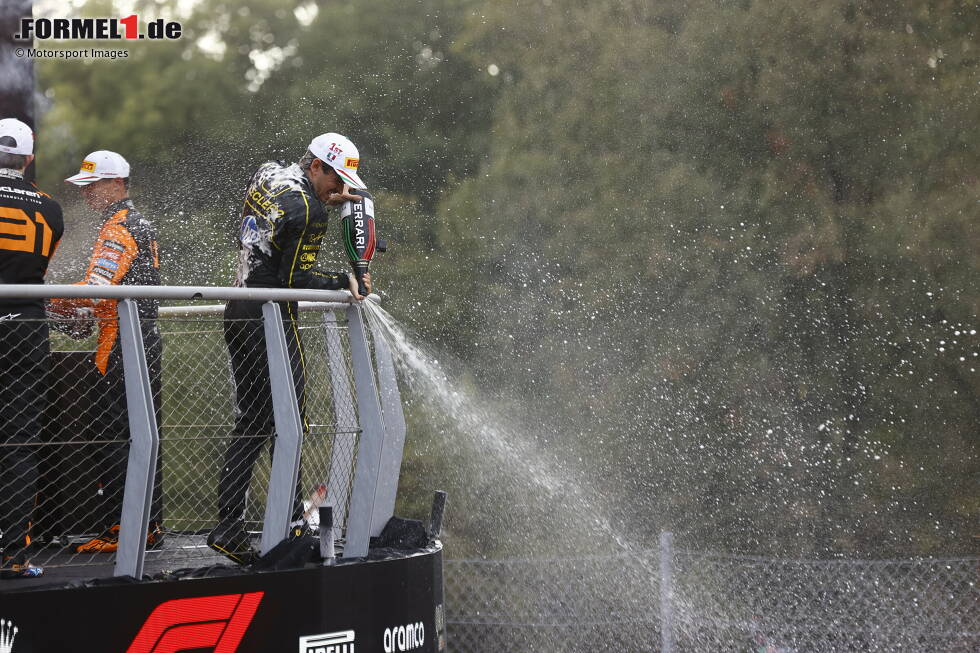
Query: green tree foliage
x=719 y=256
x=737 y=240
x=248 y=82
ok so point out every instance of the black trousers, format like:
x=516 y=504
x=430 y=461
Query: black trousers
x=254 y=418
x=23 y=386
x=108 y=400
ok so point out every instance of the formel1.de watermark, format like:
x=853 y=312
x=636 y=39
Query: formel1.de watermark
x=89 y=29
x=96 y=29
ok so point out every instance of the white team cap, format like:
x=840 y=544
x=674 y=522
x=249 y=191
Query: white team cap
x=101 y=164
x=341 y=155
x=22 y=135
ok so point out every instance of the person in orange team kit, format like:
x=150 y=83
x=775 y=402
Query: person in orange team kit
x=125 y=253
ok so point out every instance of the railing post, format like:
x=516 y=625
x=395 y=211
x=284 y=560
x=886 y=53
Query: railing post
x=367 y=466
x=342 y=451
x=394 y=442
x=438 y=510
x=144 y=440
x=667 y=592
x=289 y=432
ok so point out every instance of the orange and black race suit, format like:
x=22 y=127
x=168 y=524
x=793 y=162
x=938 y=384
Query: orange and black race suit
x=125 y=253
x=31 y=226
x=282 y=230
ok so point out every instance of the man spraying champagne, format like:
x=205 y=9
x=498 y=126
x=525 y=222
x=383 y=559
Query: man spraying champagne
x=284 y=221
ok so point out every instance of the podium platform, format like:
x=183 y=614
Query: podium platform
x=391 y=603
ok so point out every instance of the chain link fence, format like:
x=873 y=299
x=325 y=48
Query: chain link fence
x=198 y=419
x=73 y=475
x=684 y=600
x=65 y=444
x=563 y=604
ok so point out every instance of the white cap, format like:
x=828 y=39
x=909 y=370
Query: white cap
x=341 y=155
x=22 y=135
x=101 y=164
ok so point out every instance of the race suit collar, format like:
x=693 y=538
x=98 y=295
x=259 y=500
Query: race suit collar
x=115 y=207
x=305 y=181
x=11 y=173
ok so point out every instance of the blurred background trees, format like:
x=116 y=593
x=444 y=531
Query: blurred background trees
x=721 y=256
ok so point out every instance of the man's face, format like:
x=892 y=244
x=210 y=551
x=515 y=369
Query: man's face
x=100 y=194
x=325 y=180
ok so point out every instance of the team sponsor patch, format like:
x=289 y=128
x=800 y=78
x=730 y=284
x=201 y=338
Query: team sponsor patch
x=19 y=191
x=112 y=256
x=88 y=166
x=107 y=264
x=111 y=244
x=249 y=234
x=98 y=281
x=351 y=162
x=105 y=274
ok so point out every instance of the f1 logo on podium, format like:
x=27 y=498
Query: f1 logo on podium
x=203 y=622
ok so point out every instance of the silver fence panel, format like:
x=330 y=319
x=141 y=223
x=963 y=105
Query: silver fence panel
x=144 y=442
x=394 y=441
x=367 y=466
x=289 y=432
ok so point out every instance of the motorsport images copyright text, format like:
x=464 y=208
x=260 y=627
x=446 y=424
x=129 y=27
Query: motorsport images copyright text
x=90 y=29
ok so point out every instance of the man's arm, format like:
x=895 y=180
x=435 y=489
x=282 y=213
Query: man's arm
x=296 y=266
x=113 y=254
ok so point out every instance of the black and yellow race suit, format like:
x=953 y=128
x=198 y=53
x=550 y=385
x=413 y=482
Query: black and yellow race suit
x=282 y=230
x=31 y=225
x=125 y=253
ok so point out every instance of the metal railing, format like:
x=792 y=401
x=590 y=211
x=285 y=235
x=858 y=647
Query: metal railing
x=674 y=600
x=338 y=430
